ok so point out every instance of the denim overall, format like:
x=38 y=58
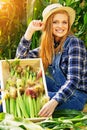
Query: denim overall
x=56 y=80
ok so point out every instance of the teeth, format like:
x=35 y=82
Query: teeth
x=59 y=31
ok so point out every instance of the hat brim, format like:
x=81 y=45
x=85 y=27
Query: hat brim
x=69 y=10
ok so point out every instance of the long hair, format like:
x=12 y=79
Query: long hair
x=47 y=49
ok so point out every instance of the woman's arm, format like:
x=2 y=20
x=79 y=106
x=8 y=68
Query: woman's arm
x=76 y=56
x=35 y=25
x=23 y=50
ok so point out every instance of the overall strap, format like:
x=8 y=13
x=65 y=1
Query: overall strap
x=67 y=41
x=56 y=62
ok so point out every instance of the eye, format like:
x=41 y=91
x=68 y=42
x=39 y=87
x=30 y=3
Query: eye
x=65 y=22
x=55 y=22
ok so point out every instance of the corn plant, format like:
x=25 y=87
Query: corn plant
x=24 y=93
x=12 y=26
x=14 y=21
x=80 y=25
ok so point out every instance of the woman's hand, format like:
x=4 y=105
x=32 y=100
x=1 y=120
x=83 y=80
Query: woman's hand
x=35 y=25
x=48 y=109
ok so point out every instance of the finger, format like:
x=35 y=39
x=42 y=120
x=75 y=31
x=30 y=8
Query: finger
x=49 y=114
x=37 y=22
x=43 y=112
x=46 y=114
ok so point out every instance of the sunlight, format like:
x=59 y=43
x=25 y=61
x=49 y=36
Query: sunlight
x=1 y=5
x=2 y=2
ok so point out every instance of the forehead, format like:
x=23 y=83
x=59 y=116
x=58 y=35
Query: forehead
x=60 y=16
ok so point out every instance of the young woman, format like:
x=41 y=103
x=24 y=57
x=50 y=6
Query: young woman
x=63 y=56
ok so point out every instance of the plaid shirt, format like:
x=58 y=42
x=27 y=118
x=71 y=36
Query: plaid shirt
x=73 y=64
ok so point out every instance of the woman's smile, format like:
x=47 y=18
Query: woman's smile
x=60 y=25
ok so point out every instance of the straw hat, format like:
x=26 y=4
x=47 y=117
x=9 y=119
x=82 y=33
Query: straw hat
x=50 y=9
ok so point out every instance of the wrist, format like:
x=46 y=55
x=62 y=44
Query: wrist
x=54 y=102
x=28 y=35
x=25 y=40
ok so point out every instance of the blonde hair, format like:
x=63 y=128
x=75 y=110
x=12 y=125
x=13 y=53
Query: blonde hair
x=47 y=49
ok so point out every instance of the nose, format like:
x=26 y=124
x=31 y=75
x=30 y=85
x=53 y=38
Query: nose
x=59 y=25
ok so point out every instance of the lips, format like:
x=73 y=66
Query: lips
x=59 y=31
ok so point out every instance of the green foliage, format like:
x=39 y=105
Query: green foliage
x=12 y=27
x=15 y=16
x=80 y=25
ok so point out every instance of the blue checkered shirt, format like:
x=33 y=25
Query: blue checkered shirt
x=73 y=64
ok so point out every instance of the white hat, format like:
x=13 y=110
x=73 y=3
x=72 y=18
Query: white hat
x=50 y=9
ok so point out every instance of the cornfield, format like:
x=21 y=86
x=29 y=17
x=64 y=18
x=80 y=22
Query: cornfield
x=15 y=15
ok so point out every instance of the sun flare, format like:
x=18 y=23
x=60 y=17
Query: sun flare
x=4 y=0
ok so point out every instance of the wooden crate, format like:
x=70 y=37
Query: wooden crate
x=36 y=63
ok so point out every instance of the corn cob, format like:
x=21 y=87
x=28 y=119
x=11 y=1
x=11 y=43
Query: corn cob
x=38 y=104
x=31 y=106
x=27 y=105
x=18 y=112
x=26 y=102
x=12 y=105
x=7 y=105
x=35 y=107
x=22 y=105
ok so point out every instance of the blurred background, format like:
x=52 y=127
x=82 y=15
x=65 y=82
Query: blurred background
x=15 y=15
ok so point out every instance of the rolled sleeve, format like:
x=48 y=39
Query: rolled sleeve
x=23 y=50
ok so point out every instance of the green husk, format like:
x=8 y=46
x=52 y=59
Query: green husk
x=22 y=105
x=18 y=110
x=26 y=102
x=31 y=106
x=7 y=105
x=12 y=105
x=21 y=78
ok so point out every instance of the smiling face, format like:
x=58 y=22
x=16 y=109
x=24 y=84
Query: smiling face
x=60 y=25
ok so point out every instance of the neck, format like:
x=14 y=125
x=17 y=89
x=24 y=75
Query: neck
x=57 y=39
x=56 y=43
